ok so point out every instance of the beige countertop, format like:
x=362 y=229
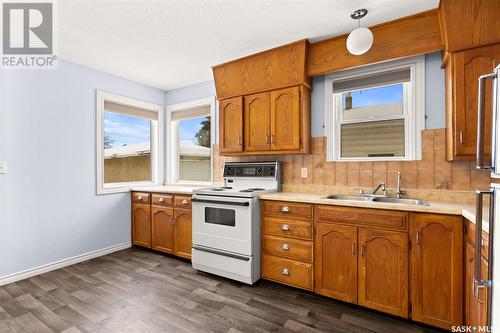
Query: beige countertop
x=440 y=207
x=178 y=189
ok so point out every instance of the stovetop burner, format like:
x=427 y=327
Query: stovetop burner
x=252 y=189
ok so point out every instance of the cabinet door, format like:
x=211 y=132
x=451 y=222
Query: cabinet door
x=257 y=122
x=336 y=261
x=437 y=275
x=231 y=125
x=183 y=233
x=162 y=227
x=285 y=119
x=141 y=226
x=468 y=66
x=383 y=271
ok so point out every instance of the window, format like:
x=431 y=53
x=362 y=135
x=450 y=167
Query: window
x=192 y=133
x=128 y=143
x=376 y=113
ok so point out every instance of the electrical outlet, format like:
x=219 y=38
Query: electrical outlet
x=304 y=172
x=3 y=167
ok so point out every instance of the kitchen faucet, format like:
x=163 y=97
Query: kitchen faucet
x=399 y=191
x=380 y=186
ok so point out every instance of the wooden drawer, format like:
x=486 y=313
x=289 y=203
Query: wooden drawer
x=164 y=200
x=290 y=272
x=385 y=219
x=288 y=247
x=288 y=209
x=183 y=201
x=287 y=228
x=140 y=197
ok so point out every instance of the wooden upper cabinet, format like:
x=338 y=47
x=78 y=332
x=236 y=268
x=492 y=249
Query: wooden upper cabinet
x=183 y=233
x=276 y=68
x=163 y=230
x=467 y=24
x=437 y=275
x=285 y=119
x=141 y=225
x=383 y=271
x=257 y=122
x=462 y=72
x=336 y=268
x=231 y=125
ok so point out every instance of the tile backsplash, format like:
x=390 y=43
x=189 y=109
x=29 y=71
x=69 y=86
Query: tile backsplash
x=432 y=172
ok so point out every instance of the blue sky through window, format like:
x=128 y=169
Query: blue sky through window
x=126 y=130
x=188 y=128
x=375 y=96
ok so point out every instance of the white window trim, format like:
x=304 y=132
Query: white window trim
x=414 y=114
x=172 y=144
x=157 y=135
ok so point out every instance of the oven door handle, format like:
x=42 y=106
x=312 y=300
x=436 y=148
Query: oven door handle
x=220 y=202
x=222 y=253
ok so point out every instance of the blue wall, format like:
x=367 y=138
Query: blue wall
x=49 y=209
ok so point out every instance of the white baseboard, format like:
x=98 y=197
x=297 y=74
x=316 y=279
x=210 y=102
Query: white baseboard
x=61 y=263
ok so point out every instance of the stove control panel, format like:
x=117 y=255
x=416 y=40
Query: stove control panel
x=268 y=170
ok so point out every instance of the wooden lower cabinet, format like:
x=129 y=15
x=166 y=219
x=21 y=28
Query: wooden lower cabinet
x=437 y=274
x=141 y=225
x=475 y=305
x=183 y=233
x=336 y=270
x=163 y=228
x=383 y=271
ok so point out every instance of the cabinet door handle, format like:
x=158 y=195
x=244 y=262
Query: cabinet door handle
x=285 y=247
x=478 y=296
x=362 y=252
x=239 y=141
x=461 y=137
x=285 y=227
x=139 y=198
x=417 y=236
x=161 y=199
x=185 y=202
x=273 y=139
x=285 y=271
x=353 y=249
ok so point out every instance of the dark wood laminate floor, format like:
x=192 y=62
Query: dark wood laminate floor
x=140 y=291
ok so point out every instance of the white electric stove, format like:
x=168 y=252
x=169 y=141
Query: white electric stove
x=226 y=220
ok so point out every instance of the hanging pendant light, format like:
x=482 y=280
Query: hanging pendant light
x=360 y=40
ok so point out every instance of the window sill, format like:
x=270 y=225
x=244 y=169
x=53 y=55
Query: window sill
x=123 y=187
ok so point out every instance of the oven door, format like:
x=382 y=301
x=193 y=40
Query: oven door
x=223 y=223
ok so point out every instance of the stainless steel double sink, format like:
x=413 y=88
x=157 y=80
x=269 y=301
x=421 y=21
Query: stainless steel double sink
x=369 y=198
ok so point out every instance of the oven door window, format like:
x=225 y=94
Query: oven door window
x=220 y=216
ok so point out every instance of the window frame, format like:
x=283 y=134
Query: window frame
x=156 y=146
x=413 y=110
x=173 y=144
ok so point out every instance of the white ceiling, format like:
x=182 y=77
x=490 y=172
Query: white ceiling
x=169 y=44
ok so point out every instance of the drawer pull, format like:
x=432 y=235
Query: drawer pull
x=139 y=198
x=285 y=227
x=185 y=202
x=285 y=209
x=285 y=247
x=285 y=271
x=160 y=200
